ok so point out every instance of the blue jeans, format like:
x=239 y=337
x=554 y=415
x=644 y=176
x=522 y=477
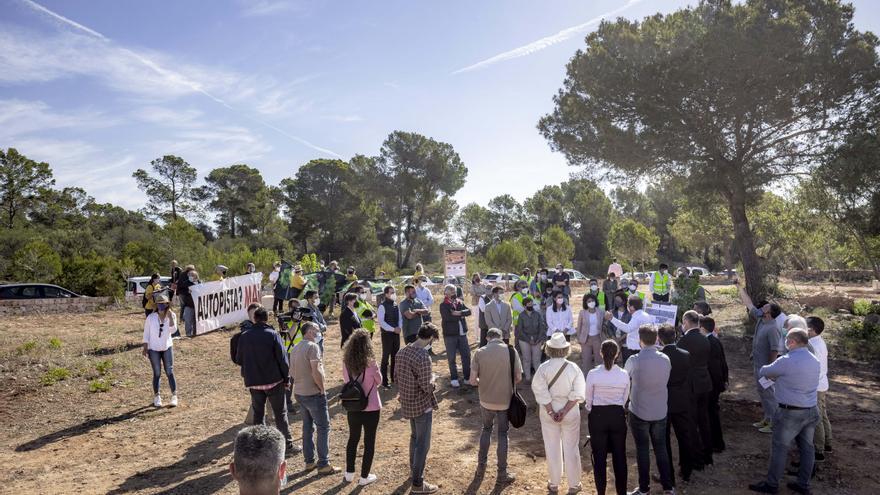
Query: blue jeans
x=768 y=399
x=189 y=321
x=458 y=344
x=793 y=425
x=648 y=434
x=157 y=359
x=419 y=445
x=489 y=419
x=315 y=416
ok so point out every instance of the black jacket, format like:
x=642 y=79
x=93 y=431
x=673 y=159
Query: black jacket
x=698 y=346
x=261 y=356
x=717 y=364
x=450 y=323
x=348 y=323
x=679 y=385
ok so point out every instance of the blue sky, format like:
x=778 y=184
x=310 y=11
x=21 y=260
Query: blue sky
x=99 y=88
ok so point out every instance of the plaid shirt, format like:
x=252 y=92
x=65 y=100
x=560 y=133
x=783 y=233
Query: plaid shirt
x=412 y=373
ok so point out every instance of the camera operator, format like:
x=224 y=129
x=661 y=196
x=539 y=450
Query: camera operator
x=291 y=330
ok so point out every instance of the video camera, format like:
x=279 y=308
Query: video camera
x=290 y=321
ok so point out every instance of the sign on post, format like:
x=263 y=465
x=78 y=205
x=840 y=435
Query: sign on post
x=662 y=313
x=225 y=302
x=455 y=260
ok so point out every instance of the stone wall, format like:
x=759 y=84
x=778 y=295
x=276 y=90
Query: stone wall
x=46 y=306
x=859 y=276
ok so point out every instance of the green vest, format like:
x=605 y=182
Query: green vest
x=661 y=283
x=640 y=294
x=362 y=307
x=514 y=313
x=294 y=336
x=600 y=298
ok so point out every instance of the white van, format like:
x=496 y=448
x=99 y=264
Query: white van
x=136 y=286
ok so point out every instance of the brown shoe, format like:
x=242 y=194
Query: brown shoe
x=328 y=469
x=425 y=488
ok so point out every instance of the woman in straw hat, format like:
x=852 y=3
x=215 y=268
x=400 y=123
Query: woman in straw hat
x=158 y=328
x=559 y=387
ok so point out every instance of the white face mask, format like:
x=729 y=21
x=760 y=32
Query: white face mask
x=663 y=271
x=632 y=288
x=362 y=296
x=591 y=304
x=524 y=290
x=594 y=287
x=391 y=297
x=559 y=300
x=543 y=277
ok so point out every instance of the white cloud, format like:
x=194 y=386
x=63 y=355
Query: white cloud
x=253 y=8
x=20 y=117
x=545 y=42
x=168 y=116
x=28 y=56
x=343 y=118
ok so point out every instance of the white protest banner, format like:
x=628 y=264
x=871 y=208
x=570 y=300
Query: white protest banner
x=224 y=302
x=455 y=260
x=662 y=313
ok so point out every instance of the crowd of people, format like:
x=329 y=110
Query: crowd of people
x=655 y=380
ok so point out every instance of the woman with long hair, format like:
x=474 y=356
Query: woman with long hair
x=359 y=363
x=559 y=317
x=607 y=391
x=158 y=346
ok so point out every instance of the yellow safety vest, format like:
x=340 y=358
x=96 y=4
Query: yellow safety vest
x=661 y=283
x=362 y=307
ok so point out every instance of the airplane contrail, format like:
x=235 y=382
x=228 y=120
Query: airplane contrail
x=175 y=77
x=544 y=42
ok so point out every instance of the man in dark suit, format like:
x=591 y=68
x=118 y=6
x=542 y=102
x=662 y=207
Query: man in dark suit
x=701 y=382
x=719 y=374
x=679 y=406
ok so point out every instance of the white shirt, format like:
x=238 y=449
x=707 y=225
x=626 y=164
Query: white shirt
x=154 y=341
x=384 y=324
x=424 y=295
x=616 y=269
x=560 y=321
x=593 y=321
x=607 y=387
x=273 y=277
x=631 y=329
x=481 y=304
x=820 y=350
x=569 y=386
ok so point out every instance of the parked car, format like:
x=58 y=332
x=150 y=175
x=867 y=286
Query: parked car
x=697 y=270
x=34 y=291
x=640 y=276
x=500 y=278
x=136 y=286
x=574 y=274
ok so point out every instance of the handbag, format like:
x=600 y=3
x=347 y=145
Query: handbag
x=518 y=409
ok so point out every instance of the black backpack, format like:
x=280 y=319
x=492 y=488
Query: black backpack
x=144 y=301
x=352 y=395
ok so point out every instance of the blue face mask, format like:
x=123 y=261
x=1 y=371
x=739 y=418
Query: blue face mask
x=162 y=306
x=759 y=312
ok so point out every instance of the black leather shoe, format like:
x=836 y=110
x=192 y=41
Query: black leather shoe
x=797 y=488
x=828 y=449
x=763 y=487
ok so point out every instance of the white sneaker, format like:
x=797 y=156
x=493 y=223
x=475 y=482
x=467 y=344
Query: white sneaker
x=371 y=478
x=157 y=401
x=348 y=477
x=455 y=384
x=174 y=400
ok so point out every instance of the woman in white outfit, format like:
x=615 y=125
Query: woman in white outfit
x=559 y=387
x=589 y=332
x=559 y=317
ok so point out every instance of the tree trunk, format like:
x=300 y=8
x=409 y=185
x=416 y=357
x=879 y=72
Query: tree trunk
x=866 y=250
x=744 y=241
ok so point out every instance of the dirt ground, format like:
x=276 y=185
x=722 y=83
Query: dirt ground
x=61 y=438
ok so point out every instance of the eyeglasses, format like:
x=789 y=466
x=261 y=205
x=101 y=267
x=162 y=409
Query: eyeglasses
x=161 y=327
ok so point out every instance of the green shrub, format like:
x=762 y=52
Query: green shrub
x=26 y=347
x=726 y=291
x=862 y=307
x=862 y=340
x=55 y=343
x=100 y=385
x=103 y=367
x=55 y=375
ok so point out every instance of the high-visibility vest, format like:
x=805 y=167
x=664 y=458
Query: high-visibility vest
x=528 y=281
x=640 y=294
x=514 y=313
x=362 y=307
x=661 y=283
x=600 y=298
x=294 y=336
